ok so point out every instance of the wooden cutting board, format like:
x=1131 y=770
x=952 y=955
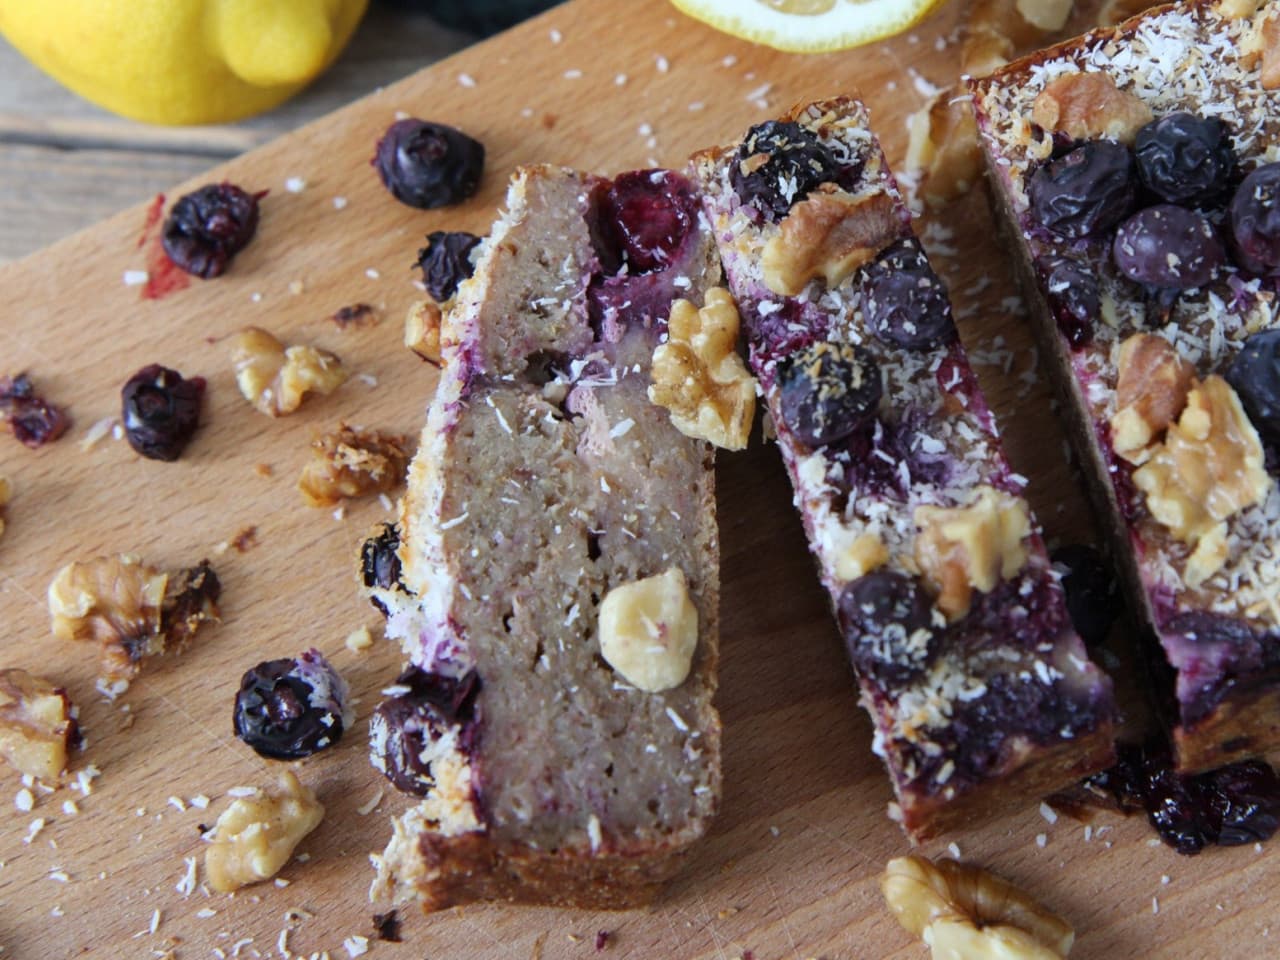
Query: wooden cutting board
x=791 y=868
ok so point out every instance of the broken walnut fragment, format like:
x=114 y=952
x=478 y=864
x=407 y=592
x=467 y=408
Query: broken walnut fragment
x=276 y=378
x=351 y=462
x=37 y=725
x=1151 y=390
x=698 y=375
x=1086 y=106
x=964 y=912
x=255 y=836
x=132 y=610
x=1261 y=48
x=422 y=330
x=649 y=630
x=830 y=234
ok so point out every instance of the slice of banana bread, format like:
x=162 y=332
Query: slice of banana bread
x=982 y=695
x=554 y=576
x=1135 y=174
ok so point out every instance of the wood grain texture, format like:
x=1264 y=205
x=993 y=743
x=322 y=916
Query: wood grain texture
x=791 y=868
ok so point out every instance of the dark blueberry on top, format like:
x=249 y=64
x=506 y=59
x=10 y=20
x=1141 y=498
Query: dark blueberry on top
x=1073 y=295
x=904 y=302
x=1255 y=221
x=1185 y=159
x=643 y=218
x=425 y=707
x=446 y=261
x=161 y=411
x=208 y=227
x=886 y=618
x=287 y=709
x=1085 y=192
x=1254 y=374
x=1169 y=247
x=1090 y=587
x=33 y=420
x=779 y=164
x=828 y=391
x=428 y=165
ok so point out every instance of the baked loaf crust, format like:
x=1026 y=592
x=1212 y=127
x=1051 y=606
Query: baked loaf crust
x=545 y=482
x=1210 y=598
x=982 y=695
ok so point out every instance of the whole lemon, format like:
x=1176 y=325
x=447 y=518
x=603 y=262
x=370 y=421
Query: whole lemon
x=182 y=61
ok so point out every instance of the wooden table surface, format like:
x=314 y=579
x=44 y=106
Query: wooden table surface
x=790 y=869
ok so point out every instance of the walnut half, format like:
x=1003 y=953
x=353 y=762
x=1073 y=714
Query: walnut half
x=255 y=836
x=1086 y=106
x=350 y=462
x=37 y=725
x=698 y=375
x=276 y=378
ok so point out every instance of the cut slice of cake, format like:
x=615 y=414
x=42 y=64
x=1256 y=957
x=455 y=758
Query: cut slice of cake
x=982 y=695
x=554 y=574
x=1135 y=173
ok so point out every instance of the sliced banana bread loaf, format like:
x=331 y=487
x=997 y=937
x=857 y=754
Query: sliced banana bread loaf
x=554 y=575
x=981 y=693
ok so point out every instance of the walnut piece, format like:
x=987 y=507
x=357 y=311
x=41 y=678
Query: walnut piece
x=1151 y=391
x=964 y=911
x=1086 y=106
x=351 y=462
x=1047 y=15
x=1209 y=467
x=422 y=330
x=37 y=725
x=1234 y=9
x=275 y=378
x=6 y=491
x=962 y=549
x=859 y=557
x=829 y=234
x=255 y=836
x=943 y=146
x=698 y=375
x=1115 y=11
x=994 y=31
x=130 y=609
x=1261 y=47
x=649 y=630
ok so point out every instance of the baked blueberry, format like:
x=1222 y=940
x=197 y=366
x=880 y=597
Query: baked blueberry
x=1255 y=221
x=1254 y=374
x=1085 y=192
x=161 y=411
x=208 y=227
x=904 y=302
x=446 y=261
x=779 y=164
x=1073 y=295
x=380 y=565
x=1245 y=801
x=828 y=391
x=1169 y=247
x=886 y=618
x=1185 y=159
x=287 y=709
x=33 y=420
x=424 y=708
x=428 y=165
x=642 y=219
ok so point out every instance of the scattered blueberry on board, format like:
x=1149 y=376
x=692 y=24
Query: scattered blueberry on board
x=290 y=708
x=161 y=411
x=33 y=420
x=208 y=227
x=428 y=165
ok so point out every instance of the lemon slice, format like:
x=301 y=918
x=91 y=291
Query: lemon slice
x=809 y=26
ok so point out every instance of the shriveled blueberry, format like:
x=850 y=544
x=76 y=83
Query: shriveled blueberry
x=33 y=420
x=161 y=411
x=1254 y=374
x=1084 y=192
x=643 y=218
x=1090 y=587
x=777 y=165
x=828 y=391
x=446 y=261
x=428 y=165
x=1255 y=221
x=1245 y=798
x=287 y=709
x=1072 y=290
x=1185 y=159
x=904 y=302
x=1168 y=246
x=886 y=618
x=208 y=227
x=1179 y=810
x=380 y=565
x=403 y=728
